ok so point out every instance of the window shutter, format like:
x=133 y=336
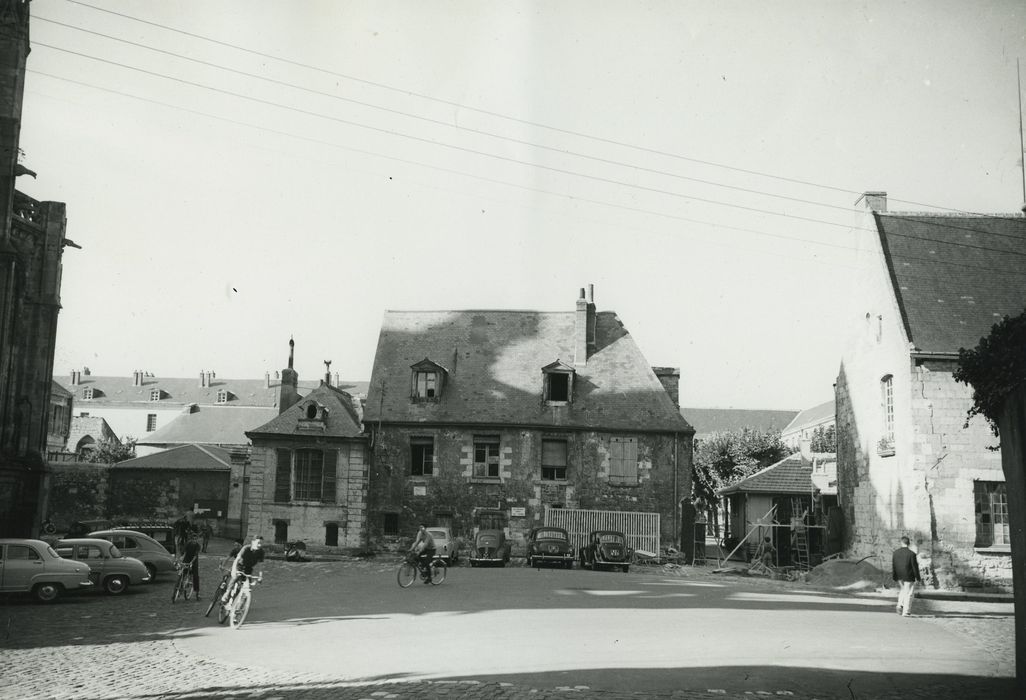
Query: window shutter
x=283 y=476
x=328 y=494
x=630 y=461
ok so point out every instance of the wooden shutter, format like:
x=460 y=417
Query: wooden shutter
x=283 y=476
x=623 y=460
x=330 y=478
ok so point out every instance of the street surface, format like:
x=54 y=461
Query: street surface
x=344 y=629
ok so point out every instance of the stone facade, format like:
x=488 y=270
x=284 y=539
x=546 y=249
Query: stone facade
x=452 y=495
x=909 y=463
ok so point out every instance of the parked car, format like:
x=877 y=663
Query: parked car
x=32 y=566
x=109 y=569
x=445 y=545
x=135 y=544
x=490 y=548
x=549 y=545
x=606 y=549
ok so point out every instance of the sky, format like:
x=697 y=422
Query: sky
x=241 y=172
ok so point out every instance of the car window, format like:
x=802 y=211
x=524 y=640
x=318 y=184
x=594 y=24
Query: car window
x=439 y=534
x=53 y=554
x=129 y=543
x=92 y=552
x=21 y=552
x=550 y=535
x=67 y=552
x=610 y=537
x=115 y=552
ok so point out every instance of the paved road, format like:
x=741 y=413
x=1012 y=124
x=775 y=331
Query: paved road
x=345 y=630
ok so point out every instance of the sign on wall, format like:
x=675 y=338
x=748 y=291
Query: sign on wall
x=517 y=512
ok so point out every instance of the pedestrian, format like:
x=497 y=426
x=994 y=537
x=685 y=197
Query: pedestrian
x=180 y=529
x=905 y=570
x=190 y=557
x=205 y=532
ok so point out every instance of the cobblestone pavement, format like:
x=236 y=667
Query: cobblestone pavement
x=96 y=648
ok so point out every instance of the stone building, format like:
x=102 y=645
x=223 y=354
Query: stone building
x=32 y=244
x=908 y=462
x=307 y=476
x=489 y=418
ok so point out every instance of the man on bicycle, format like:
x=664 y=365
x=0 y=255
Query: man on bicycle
x=248 y=557
x=424 y=546
x=190 y=557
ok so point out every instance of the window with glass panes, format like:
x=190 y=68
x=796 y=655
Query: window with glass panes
x=422 y=456
x=309 y=475
x=887 y=402
x=486 y=456
x=425 y=385
x=991 y=513
x=553 y=466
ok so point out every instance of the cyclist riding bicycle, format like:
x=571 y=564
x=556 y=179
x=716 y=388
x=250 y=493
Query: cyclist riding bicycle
x=190 y=557
x=248 y=557
x=424 y=546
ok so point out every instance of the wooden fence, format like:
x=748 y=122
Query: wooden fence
x=641 y=529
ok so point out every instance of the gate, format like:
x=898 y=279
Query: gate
x=641 y=529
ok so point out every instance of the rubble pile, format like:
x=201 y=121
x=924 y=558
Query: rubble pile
x=845 y=574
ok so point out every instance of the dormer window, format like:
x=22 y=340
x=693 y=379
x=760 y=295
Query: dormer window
x=558 y=383
x=155 y=394
x=222 y=396
x=312 y=416
x=87 y=393
x=428 y=379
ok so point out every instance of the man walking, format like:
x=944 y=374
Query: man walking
x=905 y=570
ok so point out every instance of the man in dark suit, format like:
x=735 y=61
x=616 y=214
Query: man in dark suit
x=905 y=570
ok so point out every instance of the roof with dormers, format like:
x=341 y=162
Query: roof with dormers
x=954 y=276
x=121 y=391
x=182 y=458
x=211 y=425
x=495 y=361
x=341 y=417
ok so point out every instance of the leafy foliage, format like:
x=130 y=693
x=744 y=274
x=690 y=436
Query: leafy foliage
x=725 y=458
x=824 y=439
x=110 y=452
x=994 y=368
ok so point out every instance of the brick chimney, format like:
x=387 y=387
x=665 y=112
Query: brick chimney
x=875 y=201
x=669 y=377
x=76 y=377
x=137 y=378
x=289 y=394
x=584 y=327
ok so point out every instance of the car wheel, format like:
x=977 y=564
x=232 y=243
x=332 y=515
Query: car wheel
x=153 y=572
x=47 y=592
x=115 y=585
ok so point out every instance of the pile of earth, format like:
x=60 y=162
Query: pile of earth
x=846 y=574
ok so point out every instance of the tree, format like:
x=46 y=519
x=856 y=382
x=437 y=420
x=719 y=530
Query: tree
x=110 y=451
x=996 y=370
x=725 y=458
x=824 y=439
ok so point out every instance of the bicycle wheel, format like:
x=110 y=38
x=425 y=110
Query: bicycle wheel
x=215 y=599
x=438 y=571
x=239 y=610
x=406 y=575
x=187 y=586
x=176 y=592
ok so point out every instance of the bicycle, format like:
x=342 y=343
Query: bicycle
x=238 y=605
x=183 y=584
x=215 y=602
x=410 y=567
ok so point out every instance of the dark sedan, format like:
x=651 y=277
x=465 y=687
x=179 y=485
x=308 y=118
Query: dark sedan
x=549 y=545
x=606 y=549
x=490 y=549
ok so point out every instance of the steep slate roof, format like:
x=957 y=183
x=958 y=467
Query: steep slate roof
x=721 y=420
x=182 y=458
x=955 y=276
x=119 y=391
x=211 y=425
x=790 y=475
x=342 y=420
x=57 y=390
x=494 y=361
x=811 y=416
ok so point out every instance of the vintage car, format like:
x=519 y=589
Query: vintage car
x=445 y=545
x=142 y=547
x=549 y=545
x=490 y=549
x=109 y=569
x=606 y=549
x=31 y=566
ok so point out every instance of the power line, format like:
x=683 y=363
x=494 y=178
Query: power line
x=500 y=115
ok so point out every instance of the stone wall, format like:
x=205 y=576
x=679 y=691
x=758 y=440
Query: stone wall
x=452 y=495
x=78 y=491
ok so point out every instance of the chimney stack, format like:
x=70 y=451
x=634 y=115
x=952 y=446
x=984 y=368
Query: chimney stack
x=137 y=378
x=203 y=379
x=267 y=380
x=289 y=393
x=584 y=327
x=327 y=372
x=669 y=377
x=875 y=201
x=338 y=381
x=76 y=377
